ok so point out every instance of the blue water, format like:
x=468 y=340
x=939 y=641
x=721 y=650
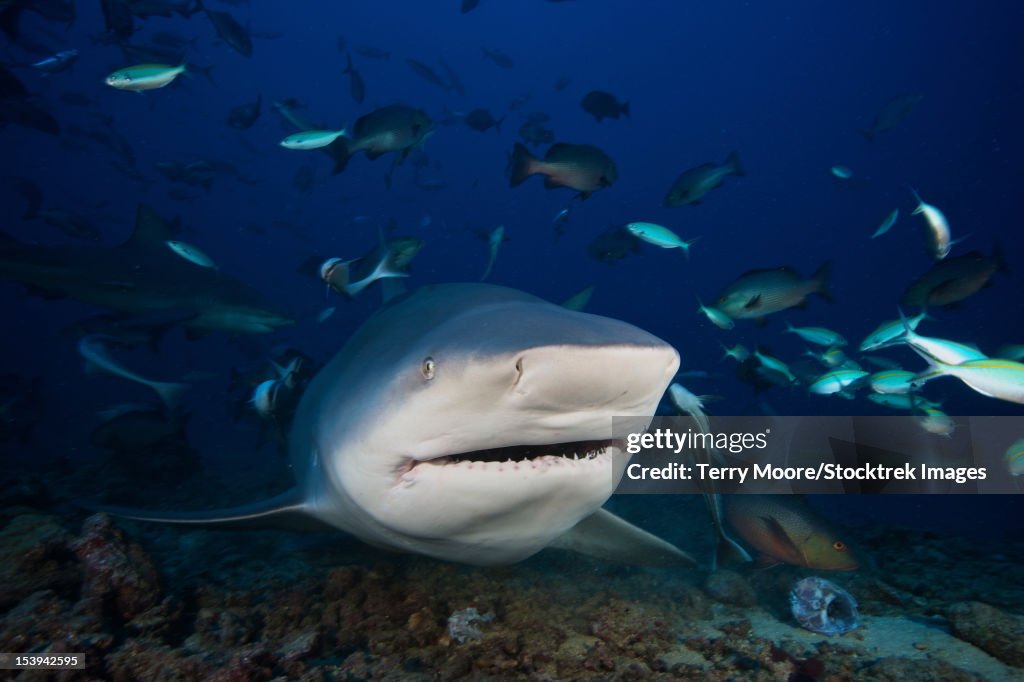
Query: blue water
x=786 y=86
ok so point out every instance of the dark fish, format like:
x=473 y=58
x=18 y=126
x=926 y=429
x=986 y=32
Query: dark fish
x=394 y=128
x=32 y=195
x=230 y=31
x=784 y=529
x=498 y=57
x=482 y=121
x=427 y=74
x=243 y=116
x=757 y=293
x=371 y=52
x=535 y=133
x=953 y=279
x=693 y=184
x=356 y=86
x=469 y=5
x=581 y=167
x=892 y=112
x=453 y=78
x=613 y=244
x=602 y=105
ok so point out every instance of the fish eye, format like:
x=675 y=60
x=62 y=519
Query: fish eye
x=428 y=368
x=839 y=546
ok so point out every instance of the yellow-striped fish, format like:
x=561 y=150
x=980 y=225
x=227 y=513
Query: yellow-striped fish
x=996 y=378
x=144 y=77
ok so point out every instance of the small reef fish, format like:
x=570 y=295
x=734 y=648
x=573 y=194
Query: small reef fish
x=191 y=253
x=602 y=105
x=1015 y=458
x=941 y=350
x=838 y=382
x=693 y=184
x=784 y=529
x=893 y=381
x=311 y=139
x=144 y=77
x=776 y=365
x=891 y=113
x=841 y=172
x=817 y=335
x=992 y=377
x=757 y=293
x=660 y=236
x=494 y=243
x=739 y=352
x=890 y=333
x=938 y=227
x=581 y=167
x=94 y=348
x=887 y=224
x=716 y=316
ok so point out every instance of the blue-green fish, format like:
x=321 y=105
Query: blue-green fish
x=941 y=350
x=1015 y=458
x=992 y=377
x=890 y=333
x=144 y=77
x=841 y=172
x=660 y=236
x=837 y=382
x=887 y=224
x=191 y=253
x=716 y=316
x=776 y=365
x=817 y=335
x=311 y=139
x=894 y=381
x=739 y=352
x=693 y=184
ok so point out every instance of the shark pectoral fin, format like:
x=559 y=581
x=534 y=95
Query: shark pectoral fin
x=604 y=535
x=284 y=512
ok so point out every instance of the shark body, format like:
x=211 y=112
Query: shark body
x=472 y=423
x=140 y=277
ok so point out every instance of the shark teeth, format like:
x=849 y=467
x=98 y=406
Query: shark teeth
x=554 y=453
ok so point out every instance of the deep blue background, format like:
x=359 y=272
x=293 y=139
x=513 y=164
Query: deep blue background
x=784 y=84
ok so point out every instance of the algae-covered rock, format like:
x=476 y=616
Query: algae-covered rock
x=986 y=627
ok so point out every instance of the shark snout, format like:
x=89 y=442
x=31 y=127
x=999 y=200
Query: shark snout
x=627 y=379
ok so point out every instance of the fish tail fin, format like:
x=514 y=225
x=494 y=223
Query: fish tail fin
x=207 y=72
x=820 y=279
x=520 y=165
x=170 y=393
x=341 y=155
x=935 y=370
x=920 y=204
x=625 y=110
x=733 y=160
x=728 y=552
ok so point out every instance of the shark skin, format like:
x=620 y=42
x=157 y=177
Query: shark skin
x=471 y=423
x=140 y=277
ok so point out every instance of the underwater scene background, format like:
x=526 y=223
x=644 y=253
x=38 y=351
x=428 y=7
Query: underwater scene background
x=763 y=136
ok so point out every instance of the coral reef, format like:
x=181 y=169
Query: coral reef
x=156 y=603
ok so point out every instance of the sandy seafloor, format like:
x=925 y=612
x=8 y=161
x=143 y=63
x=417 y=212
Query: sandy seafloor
x=152 y=602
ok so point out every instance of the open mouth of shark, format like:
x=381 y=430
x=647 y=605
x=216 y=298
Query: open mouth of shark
x=545 y=452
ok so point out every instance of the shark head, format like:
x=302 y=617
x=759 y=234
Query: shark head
x=473 y=423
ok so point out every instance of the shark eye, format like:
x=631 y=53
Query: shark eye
x=519 y=370
x=428 y=368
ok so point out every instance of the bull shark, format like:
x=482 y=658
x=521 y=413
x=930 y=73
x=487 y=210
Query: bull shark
x=471 y=423
x=140 y=277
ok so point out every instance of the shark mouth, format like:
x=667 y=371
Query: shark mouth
x=545 y=452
